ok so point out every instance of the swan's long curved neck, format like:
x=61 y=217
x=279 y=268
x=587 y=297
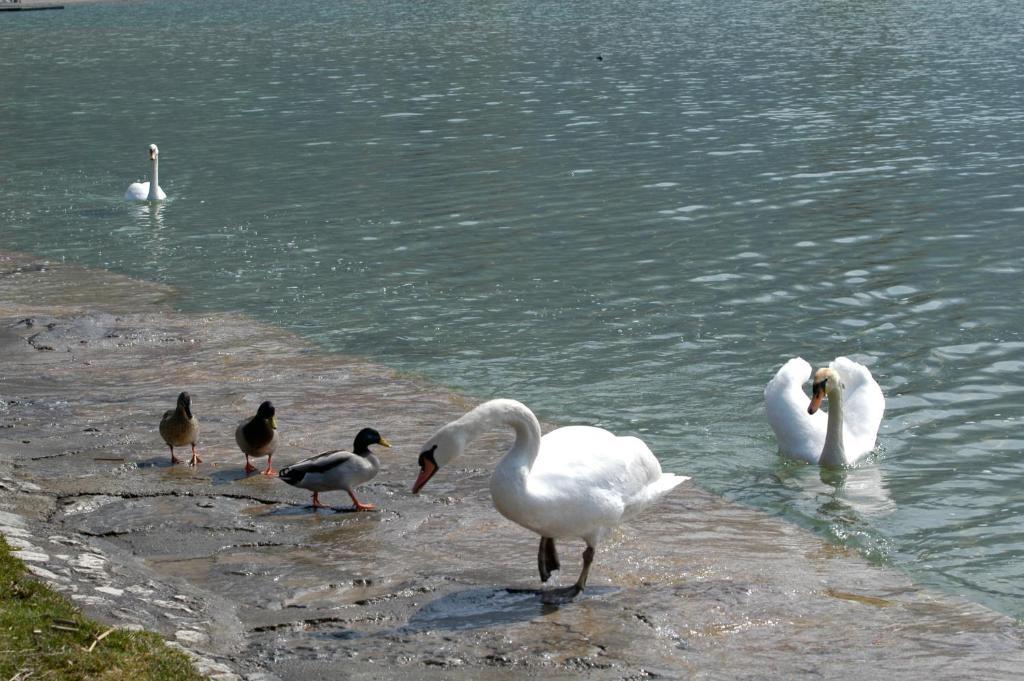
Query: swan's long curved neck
x=515 y=466
x=154 y=181
x=833 y=453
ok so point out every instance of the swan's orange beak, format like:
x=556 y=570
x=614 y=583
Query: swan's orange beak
x=427 y=470
x=817 y=395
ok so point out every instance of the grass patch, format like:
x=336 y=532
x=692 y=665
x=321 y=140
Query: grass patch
x=43 y=636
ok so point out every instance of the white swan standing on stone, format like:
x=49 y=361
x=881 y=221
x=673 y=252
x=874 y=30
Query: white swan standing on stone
x=148 y=191
x=577 y=481
x=855 y=408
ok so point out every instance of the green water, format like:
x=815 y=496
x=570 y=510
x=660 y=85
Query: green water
x=467 y=191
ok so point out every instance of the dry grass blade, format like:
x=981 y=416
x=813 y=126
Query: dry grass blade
x=63 y=627
x=100 y=638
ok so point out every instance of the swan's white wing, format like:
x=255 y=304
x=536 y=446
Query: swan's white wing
x=596 y=458
x=137 y=191
x=800 y=435
x=590 y=480
x=863 y=406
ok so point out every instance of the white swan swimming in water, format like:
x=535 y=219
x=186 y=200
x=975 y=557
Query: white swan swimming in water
x=577 y=481
x=855 y=408
x=148 y=191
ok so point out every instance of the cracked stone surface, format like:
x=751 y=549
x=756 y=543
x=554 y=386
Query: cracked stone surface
x=240 y=572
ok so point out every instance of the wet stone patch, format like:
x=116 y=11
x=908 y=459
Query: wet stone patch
x=242 y=572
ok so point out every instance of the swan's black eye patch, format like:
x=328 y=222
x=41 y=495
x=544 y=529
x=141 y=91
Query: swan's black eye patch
x=820 y=385
x=428 y=456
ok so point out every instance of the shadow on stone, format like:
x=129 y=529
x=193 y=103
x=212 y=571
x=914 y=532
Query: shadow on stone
x=308 y=510
x=227 y=476
x=487 y=607
x=156 y=462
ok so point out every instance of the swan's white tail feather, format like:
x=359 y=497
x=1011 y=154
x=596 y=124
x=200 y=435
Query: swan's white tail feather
x=652 y=492
x=665 y=483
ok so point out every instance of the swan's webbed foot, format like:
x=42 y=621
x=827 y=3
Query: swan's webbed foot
x=547 y=558
x=560 y=596
x=566 y=594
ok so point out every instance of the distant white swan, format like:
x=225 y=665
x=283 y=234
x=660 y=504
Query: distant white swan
x=148 y=191
x=855 y=407
x=577 y=481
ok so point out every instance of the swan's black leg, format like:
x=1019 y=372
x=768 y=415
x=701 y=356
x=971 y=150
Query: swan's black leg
x=588 y=558
x=547 y=560
x=558 y=596
x=552 y=555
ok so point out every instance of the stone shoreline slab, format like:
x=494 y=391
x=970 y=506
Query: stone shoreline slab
x=438 y=586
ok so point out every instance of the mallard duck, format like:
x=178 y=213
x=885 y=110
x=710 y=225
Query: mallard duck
x=338 y=469
x=577 y=481
x=258 y=437
x=180 y=427
x=855 y=408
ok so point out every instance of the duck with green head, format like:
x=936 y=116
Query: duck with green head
x=338 y=469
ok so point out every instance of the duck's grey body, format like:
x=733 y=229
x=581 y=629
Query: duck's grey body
x=338 y=469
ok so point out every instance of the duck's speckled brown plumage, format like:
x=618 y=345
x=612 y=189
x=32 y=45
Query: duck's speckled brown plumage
x=180 y=427
x=258 y=437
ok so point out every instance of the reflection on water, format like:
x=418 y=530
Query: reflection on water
x=846 y=504
x=148 y=215
x=862 y=489
x=636 y=242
